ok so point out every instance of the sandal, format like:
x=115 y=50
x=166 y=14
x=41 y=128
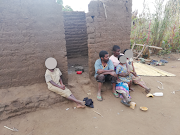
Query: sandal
x=147 y=90
x=116 y=95
x=99 y=98
x=125 y=103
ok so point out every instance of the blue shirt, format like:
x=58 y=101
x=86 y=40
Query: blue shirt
x=98 y=65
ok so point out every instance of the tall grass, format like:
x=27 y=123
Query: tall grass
x=162 y=28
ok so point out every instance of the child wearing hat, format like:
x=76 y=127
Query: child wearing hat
x=55 y=84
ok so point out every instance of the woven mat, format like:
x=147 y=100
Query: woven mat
x=147 y=70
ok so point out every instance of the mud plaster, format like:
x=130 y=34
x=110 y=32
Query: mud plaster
x=107 y=25
x=30 y=32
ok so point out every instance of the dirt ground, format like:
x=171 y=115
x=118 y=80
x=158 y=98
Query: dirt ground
x=162 y=117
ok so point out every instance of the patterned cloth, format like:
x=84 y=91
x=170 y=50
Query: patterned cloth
x=123 y=69
x=122 y=87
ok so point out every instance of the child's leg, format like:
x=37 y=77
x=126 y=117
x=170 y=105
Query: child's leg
x=125 y=98
x=78 y=102
x=130 y=84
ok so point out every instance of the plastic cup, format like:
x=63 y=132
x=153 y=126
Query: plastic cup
x=132 y=105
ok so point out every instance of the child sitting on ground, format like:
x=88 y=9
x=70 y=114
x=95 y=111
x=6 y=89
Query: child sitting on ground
x=55 y=84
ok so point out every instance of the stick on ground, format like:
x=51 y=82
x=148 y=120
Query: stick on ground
x=98 y=113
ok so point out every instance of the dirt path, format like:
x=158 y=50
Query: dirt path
x=162 y=118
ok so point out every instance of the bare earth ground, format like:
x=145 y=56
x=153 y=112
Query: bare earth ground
x=162 y=118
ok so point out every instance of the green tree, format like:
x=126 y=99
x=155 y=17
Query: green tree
x=67 y=8
x=60 y=2
x=64 y=8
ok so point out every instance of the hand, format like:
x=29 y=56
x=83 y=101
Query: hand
x=62 y=87
x=127 y=73
x=134 y=73
x=113 y=74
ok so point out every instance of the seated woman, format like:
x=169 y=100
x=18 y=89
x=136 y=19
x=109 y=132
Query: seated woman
x=114 y=57
x=123 y=81
x=135 y=78
x=55 y=84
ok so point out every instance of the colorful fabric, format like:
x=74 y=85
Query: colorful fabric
x=122 y=87
x=123 y=69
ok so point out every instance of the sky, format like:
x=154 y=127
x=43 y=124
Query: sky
x=82 y=5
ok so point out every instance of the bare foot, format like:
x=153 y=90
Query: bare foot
x=80 y=106
x=147 y=90
x=82 y=103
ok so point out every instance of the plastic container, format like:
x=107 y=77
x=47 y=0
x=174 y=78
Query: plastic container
x=159 y=94
x=79 y=72
x=132 y=105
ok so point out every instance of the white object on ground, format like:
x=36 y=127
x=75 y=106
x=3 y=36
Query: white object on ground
x=12 y=129
x=158 y=94
x=89 y=94
x=67 y=109
x=74 y=107
x=161 y=85
x=174 y=92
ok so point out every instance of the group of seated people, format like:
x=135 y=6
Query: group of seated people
x=118 y=69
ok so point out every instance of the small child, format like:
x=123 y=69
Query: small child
x=123 y=80
x=55 y=84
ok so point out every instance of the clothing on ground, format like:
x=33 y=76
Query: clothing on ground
x=88 y=102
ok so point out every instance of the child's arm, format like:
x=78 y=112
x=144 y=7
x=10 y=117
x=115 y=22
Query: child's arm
x=134 y=72
x=61 y=82
x=53 y=83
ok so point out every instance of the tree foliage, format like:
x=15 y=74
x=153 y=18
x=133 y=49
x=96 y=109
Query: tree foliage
x=64 y=8
x=67 y=8
x=162 y=28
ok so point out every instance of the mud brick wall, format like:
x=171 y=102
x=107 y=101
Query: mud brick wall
x=30 y=32
x=108 y=24
x=75 y=34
